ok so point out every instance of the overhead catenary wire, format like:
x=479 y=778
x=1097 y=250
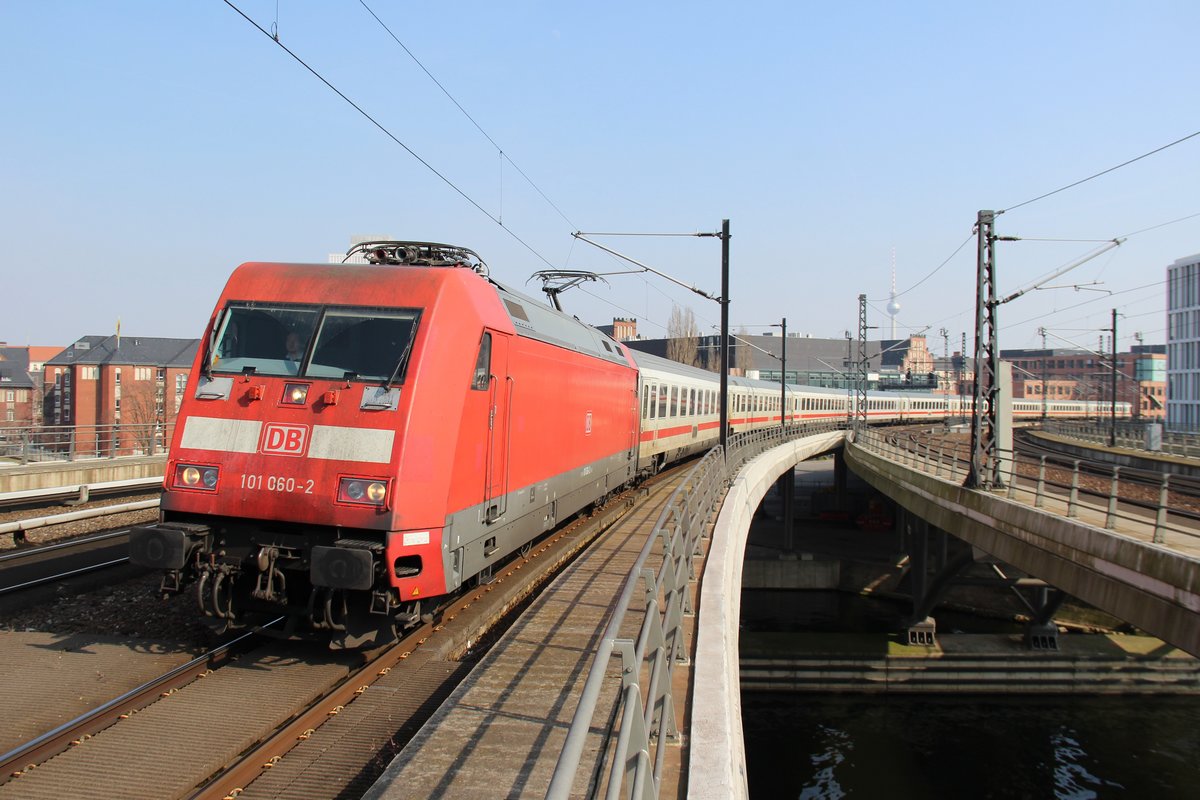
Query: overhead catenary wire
x=503 y=156
x=389 y=134
x=1036 y=239
x=1102 y=172
x=1162 y=225
x=939 y=266
x=1083 y=303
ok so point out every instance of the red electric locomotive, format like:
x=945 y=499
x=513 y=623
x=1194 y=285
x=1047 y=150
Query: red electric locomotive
x=357 y=440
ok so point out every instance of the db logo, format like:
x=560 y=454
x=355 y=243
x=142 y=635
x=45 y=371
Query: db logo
x=284 y=440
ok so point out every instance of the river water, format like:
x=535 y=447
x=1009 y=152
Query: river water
x=809 y=747
x=901 y=747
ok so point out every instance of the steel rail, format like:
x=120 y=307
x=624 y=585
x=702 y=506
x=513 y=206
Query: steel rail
x=61 y=575
x=81 y=491
x=29 y=553
x=555 y=550
x=55 y=741
x=1118 y=508
x=22 y=525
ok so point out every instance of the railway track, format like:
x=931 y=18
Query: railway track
x=30 y=567
x=1140 y=492
x=27 y=756
x=77 y=494
x=225 y=731
x=45 y=520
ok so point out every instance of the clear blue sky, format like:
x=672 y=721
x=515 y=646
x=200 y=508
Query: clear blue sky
x=150 y=147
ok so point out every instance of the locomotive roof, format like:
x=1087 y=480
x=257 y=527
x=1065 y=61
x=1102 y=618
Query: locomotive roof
x=536 y=320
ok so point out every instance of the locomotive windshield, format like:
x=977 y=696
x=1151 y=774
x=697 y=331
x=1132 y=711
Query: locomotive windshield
x=365 y=344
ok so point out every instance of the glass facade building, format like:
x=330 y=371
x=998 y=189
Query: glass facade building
x=1183 y=345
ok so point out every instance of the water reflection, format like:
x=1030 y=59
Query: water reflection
x=819 y=747
x=1072 y=780
x=825 y=762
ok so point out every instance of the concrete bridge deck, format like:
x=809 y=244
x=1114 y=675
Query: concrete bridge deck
x=1154 y=585
x=500 y=733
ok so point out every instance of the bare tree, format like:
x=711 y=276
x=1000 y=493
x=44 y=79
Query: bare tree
x=139 y=416
x=683 y=337
x=743 y=359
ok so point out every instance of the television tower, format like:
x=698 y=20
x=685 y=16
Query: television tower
x=893 y=307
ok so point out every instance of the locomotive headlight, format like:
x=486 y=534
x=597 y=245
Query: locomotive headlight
x=196 y=477
x=295 y=393
x=362 y=491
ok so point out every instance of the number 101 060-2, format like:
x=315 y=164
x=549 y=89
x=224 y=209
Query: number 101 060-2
x=278 y=483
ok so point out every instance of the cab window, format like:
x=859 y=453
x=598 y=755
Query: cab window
x=481 y=376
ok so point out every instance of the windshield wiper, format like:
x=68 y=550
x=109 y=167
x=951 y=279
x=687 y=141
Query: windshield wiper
x=401 y=362
x=210 y=345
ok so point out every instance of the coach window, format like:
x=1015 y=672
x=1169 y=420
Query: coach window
x=480 y=378
x=662 y=401
x=647 y=405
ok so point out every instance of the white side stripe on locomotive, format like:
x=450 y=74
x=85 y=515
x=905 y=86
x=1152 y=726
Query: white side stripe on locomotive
x=351 y=444
x=328 y=441
x=226 y=435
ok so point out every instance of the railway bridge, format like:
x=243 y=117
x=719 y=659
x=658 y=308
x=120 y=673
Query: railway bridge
x=624 y=673
x=578 y=731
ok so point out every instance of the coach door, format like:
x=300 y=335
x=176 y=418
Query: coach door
x=493 y=350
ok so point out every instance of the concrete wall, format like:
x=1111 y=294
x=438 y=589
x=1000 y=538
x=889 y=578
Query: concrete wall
x=717 y=764
x=802 y=573
x=1121 y=458
x=48 y=475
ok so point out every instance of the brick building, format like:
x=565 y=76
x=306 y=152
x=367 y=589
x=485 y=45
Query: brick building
x=119 y=394
x=623 y=329
x=1084 y=375
x=21 y=383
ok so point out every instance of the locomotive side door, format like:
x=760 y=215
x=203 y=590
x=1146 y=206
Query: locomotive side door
x=493 y=362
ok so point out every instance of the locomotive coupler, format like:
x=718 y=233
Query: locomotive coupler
x=383 y=601
x=271 y=584
x=172 y=582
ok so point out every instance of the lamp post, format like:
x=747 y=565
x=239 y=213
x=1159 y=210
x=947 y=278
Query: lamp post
x=783 y=376
x=1112 y=430
x=723 y=235
x=846 y=377
x=1045 y=360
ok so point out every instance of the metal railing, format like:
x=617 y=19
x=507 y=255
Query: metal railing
x=1133 y=499
x=1130 y=435
x=75 y=442
x=644 y=719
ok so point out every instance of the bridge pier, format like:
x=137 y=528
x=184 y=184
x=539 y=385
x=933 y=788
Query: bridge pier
x=839 y=478
x=935 y=567
x=786 y=485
